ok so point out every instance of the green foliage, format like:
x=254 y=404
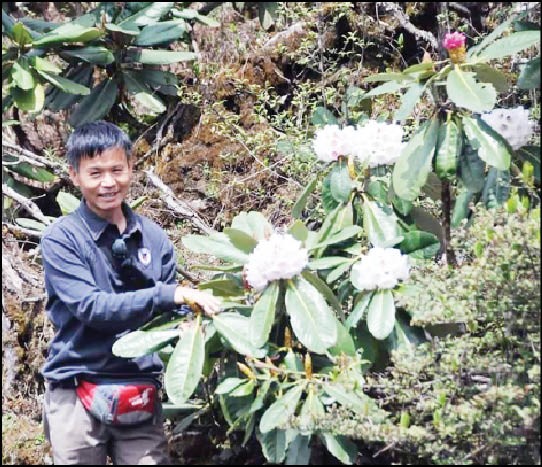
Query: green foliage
x=472 y=395
x=116 y=41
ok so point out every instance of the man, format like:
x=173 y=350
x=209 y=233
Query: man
x=107 y=271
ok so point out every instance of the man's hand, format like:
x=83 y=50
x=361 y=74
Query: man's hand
x=205 y=300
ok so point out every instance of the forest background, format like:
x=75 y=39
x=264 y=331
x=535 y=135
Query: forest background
x=223 y=113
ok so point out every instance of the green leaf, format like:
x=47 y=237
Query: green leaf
x=161 y=33
x=263 y=315
x=30 y=100
x=339 y=271
x=301 y=202
x=28 y=170
x=58 y=100
x=380 y=223
x=388 y=76
x=341 y=447
x=241 y=240
x=426 y=221
x=344 y=234
x=21 y=75
x=273 y=445
x=139 y=343
x=150 y=102
x=362 y=301
x=244 y=389
x=413 y=166
x=386 y=88
x=465 y=92
x=185 y=365
x=64 y=84
x=497 y=188
x=471 y=169
x=30 y=224
x=409 y=100
x=223 y=287
x=38 y=25
x=328 y=201
x=420 y=244
x=149 y=15
x=510 y=45
x=216 y=244
x=292 y=361
x=253 y=223
x=96 y=105
x=8 y=23
x=322 y=116
x=20 y=35
x=96 y=55
x=461 y=206
x=531 y=154
x=340 y=183
x=67 y=202
x=128 y=29
x=322 y=287
x=345 y=344
x=267 y=14
x=299 y=231
x=381 y=314
x=235 y=328
x=153 y=78
x=299 y=451
x=228 y=385
x=41 y=64
x=489 y=74
x=346 y=397
x=312 y=320
x=281 y=410
x=404 y=336
x=529 y=78
x=449 y=147
x=490 y=38
x=69 y=32
x=491 y=147
x=328 y=262
x=159 y=57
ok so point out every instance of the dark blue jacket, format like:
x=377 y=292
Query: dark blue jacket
x=89 y=301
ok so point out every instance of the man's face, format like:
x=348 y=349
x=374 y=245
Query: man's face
x=104 y=181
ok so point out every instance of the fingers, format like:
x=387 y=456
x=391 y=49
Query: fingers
x=209 y=303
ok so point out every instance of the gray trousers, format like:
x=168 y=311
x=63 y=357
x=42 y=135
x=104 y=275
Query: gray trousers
x=77 y=438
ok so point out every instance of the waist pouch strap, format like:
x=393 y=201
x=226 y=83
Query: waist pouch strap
x=118 y=402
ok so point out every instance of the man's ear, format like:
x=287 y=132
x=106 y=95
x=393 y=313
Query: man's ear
x=73 y=175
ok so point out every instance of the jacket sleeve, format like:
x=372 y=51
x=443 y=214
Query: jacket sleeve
x=69 y=279
x=169 y=263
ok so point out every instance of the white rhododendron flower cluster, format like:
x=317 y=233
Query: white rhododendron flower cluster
x=373 y=143
x=381 y=268
x=329 y=143
x=513 y=124
x=280 y=256
x=379 y=143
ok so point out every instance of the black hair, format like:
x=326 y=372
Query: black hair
x=91 y=139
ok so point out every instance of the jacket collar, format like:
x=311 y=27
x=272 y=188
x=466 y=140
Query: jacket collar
x=97 y=225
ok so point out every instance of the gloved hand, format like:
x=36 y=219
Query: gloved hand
x=194 y=297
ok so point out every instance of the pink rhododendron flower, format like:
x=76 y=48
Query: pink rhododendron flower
x=454 y=40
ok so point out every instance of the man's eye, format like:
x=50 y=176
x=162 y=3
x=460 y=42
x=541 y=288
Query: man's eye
x=94 y=174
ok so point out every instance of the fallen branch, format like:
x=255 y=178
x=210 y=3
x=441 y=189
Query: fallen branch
x=32 y=158
x=180 y=207
x=31 y=207
x=17 y=229
x=404 y=21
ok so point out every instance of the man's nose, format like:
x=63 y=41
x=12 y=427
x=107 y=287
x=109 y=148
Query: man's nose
x=108 y=179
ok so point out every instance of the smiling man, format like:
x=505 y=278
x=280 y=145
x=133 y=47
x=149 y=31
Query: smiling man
x=107 y=271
